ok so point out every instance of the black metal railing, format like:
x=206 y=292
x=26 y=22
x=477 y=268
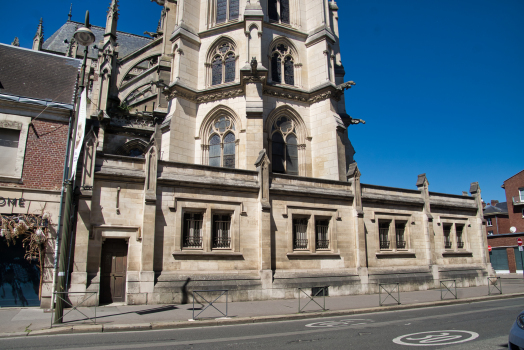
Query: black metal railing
x=384 y=244
x=401 y=244
x=300 y=244
x=322 y=244
x=222 y=242
x=460 y=245
x=447 y=245
x=193 y=242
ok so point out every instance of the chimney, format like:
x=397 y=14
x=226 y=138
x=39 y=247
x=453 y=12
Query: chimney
x=494 y=202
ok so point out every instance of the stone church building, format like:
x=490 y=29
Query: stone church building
x=219 y=158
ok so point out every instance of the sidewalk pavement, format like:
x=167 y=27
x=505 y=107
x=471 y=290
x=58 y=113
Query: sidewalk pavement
x=113 y=318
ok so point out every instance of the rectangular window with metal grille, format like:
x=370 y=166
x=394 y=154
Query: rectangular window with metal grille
x=447 y=236
x=300 y=234
x=460 y=235
x=192 y=236
x=222 y=231
x=383 y=234
x=400 y=230
x=322 y=234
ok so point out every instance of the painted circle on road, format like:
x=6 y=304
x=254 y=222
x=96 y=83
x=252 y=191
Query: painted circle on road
x=436 y=338
x=341 y=323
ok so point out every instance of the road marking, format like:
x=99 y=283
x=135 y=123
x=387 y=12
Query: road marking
x=341 y=323
x=435 y=338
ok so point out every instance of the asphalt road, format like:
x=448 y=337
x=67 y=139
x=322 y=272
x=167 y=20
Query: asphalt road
x=483 y=325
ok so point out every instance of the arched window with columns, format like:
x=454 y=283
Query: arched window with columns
x=221 y=63
x=287 y=135
x=283 y=62
x=219 y=137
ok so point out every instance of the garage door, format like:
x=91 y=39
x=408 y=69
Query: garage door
x=499 y=259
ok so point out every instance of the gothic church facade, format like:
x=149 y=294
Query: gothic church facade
x=219 y=158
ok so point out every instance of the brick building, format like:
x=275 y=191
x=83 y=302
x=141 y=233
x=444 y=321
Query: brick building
x=505 y=256
x=36 y=102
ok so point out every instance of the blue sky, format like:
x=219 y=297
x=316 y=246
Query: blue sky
x=439 y=83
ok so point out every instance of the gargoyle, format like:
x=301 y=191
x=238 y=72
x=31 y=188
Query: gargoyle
x=254 y=65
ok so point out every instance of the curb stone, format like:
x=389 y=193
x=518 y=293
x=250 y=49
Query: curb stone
x=247 y=320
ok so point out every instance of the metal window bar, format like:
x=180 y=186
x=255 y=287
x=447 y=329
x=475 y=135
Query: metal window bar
x=210 y=303
x=312 y=297
x=193 y=234
x=383 y=234
x=447 y=244
x=494 y=285
x=460 y=245
x=300 y=239
x=389 y=292
x=222 y=234
x=401 y=243
x=446 y=287
x=74 y=308
x=322 y=237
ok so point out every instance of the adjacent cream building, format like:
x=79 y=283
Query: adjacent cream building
x=219 y=158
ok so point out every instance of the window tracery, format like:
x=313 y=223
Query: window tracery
x=284 y=146
x=283 y=60
x=223 y=64
x=222 y=143
x=222 y=11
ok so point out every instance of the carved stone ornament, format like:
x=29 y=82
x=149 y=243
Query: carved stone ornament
x=285 y=95
x=220 y=95
x=255 y=79
x=132 y=122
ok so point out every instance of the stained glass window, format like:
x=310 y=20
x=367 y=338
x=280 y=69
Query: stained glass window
x=291 y=155
x=230 y=67
x=289 y=71
x=214 y=151
x=276 y=68
x=217 y=71
x=272 y=10
x=233 y=9
x=221 y=11
x=229 y=151
x=278 y=146
x=284 y=11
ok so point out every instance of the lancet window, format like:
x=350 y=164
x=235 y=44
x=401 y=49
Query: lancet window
x=284 y=146
x=222 y=143
x=278 y=11
x=227 y=10
x=223 y=64
x=282 y=65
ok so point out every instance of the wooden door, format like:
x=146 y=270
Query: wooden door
x=114 y=267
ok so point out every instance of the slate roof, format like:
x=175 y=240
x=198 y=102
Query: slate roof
x=38 y=75
x=499 y=208
x=127 y=43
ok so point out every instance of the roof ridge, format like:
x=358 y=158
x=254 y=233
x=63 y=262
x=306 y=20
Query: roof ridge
x=514 y=175
x=118 y=31
x=40 y=52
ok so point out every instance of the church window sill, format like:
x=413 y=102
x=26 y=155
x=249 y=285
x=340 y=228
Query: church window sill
x=395 y=254
x=457 y=254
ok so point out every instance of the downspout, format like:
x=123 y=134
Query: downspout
x=59 y=230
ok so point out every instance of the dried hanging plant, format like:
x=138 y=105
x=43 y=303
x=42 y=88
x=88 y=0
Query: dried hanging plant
x=34 y=232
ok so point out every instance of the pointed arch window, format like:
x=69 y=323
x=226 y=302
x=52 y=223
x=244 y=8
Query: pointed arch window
x=282 y=61
x=278 y=11
x=284 y=146
x=222 y=143
x=223 y=64
x=227 y=10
